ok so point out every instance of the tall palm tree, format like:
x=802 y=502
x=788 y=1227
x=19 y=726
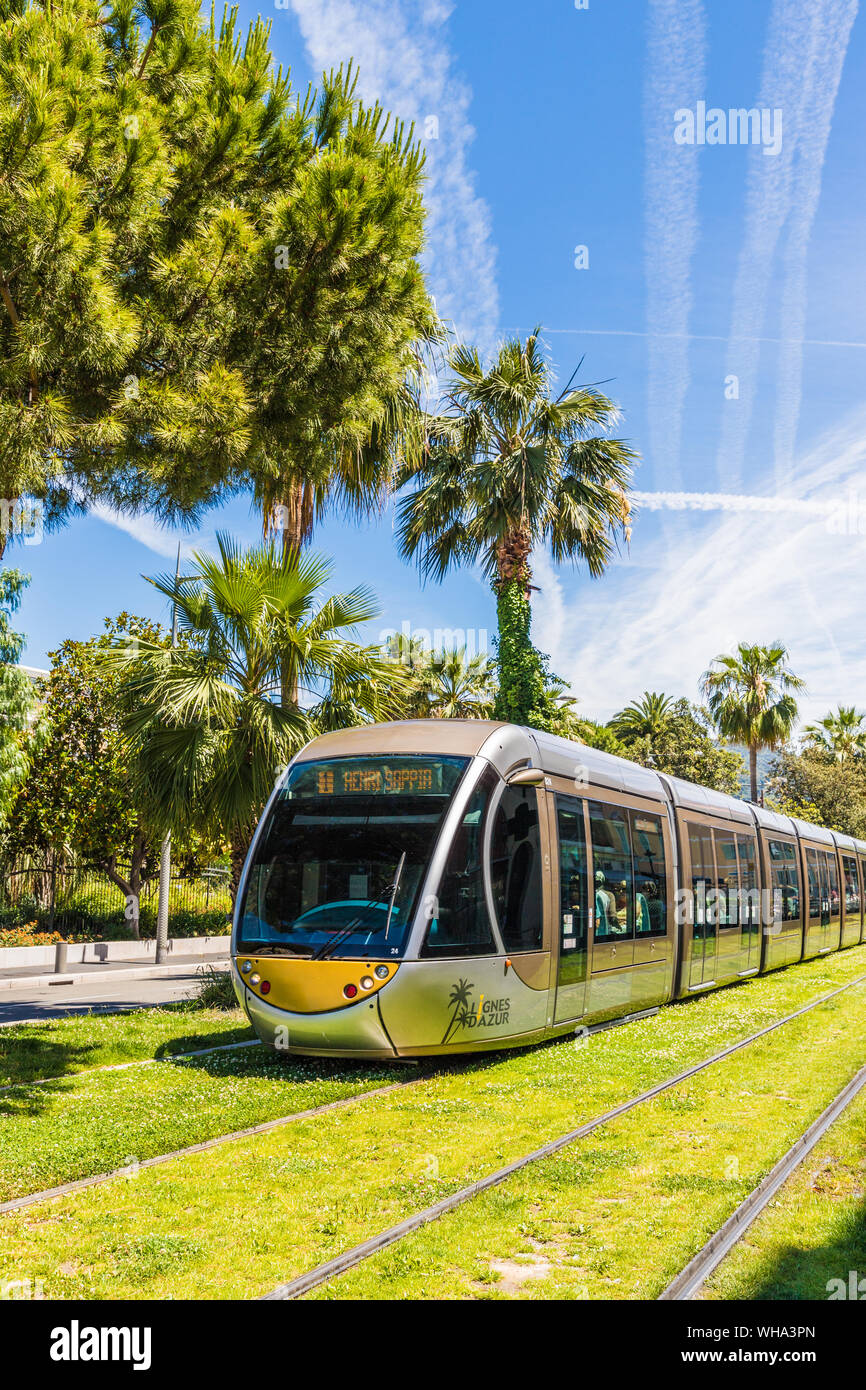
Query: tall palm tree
x=204 y=721
x=643 y=718
x=505 y=467
x=841 y=734
x=460 y=686
x=751 y=699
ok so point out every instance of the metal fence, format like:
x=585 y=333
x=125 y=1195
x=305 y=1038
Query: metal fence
x=82 y=900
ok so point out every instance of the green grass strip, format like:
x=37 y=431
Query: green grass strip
x=244 y=1217
x=66 y=1046
x=811 y=1243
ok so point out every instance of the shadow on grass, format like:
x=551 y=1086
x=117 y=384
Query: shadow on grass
x=795 y=1274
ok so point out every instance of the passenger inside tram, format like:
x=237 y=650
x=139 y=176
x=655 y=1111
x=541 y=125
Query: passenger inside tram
x=605 y=906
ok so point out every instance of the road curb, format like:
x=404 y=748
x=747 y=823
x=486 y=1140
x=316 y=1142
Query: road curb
x=21 y=984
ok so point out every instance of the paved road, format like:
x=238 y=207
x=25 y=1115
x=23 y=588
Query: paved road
x=107 y=996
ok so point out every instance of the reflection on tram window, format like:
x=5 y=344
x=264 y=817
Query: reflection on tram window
x=650 y=883
x=515 y=854
x=461 y=926
x=785 y=879
x=852 y=886
x=611 y=860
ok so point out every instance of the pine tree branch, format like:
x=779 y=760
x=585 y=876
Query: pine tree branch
x=147 y=52
x=13 y=314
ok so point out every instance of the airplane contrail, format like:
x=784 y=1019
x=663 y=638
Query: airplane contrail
x=676 y=46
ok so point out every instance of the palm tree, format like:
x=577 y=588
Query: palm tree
x=643 y=718
x=750 y=698
x=841 y=734
x=506 y=467
x=460 y=687
x=204 y=721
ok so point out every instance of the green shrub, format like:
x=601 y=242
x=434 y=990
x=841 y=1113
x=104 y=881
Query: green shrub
x=215 y=990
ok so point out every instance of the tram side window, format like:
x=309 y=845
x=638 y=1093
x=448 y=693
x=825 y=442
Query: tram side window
x=750 y=902
x=611 y=858
x=515 y=854
x=727 y=880
x=833 y=884
x=650 y=880
x=460 y=925
x=572 y=889
x=852 y=886
x=814 y=883
x=785 y=878
x=703 y=877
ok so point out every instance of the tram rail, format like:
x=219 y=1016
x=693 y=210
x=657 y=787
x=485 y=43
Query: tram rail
x=341 y=1264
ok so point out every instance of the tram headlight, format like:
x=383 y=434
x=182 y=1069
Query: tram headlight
x=381 y=972
x=367 y=982
x=254 y=979
x=247 y=967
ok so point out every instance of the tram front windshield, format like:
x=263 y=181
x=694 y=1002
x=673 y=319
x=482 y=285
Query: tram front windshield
x=340 y=863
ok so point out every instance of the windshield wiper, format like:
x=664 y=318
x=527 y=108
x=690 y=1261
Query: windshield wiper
x=395 y=886
x=335 y=941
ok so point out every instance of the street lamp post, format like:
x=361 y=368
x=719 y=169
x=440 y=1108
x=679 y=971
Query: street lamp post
x=165 y=854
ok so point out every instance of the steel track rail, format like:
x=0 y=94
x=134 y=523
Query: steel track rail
x=322 y=1274
x=698 y=1270
x=78 y=1184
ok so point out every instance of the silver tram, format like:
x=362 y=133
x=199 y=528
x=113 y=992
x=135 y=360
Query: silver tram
x=434 y=887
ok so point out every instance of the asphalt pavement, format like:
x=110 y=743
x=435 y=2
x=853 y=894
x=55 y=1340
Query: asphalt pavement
x=61 y=1000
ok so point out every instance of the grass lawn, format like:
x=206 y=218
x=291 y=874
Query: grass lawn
x=814 y=1231
x=641 y=1195
x=105 y=1120
x=58 y=1047
x=620 y=1213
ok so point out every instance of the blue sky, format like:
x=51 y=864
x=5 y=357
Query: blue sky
x=556 y=129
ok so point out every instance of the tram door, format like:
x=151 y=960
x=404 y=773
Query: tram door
x=818 y=933
x=702 y=966
x=573 y=913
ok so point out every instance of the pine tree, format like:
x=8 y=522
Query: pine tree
x=207 y=281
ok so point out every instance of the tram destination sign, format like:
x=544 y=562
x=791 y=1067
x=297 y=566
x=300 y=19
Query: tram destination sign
x=378 y=777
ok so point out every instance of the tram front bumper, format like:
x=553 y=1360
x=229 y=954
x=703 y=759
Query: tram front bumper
x=356 y=1031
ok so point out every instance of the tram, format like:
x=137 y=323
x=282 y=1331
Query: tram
x=431 y=887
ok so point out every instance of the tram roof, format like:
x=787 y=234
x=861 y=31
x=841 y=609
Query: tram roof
x=457 y=736
x=562 y=757
x=807 y=831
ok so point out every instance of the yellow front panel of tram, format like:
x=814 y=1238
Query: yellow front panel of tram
x=313 y=986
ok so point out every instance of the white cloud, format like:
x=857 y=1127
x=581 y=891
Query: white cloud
x=149 y=532
x=404 y=61
x=675 y=78
x=736 y=573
